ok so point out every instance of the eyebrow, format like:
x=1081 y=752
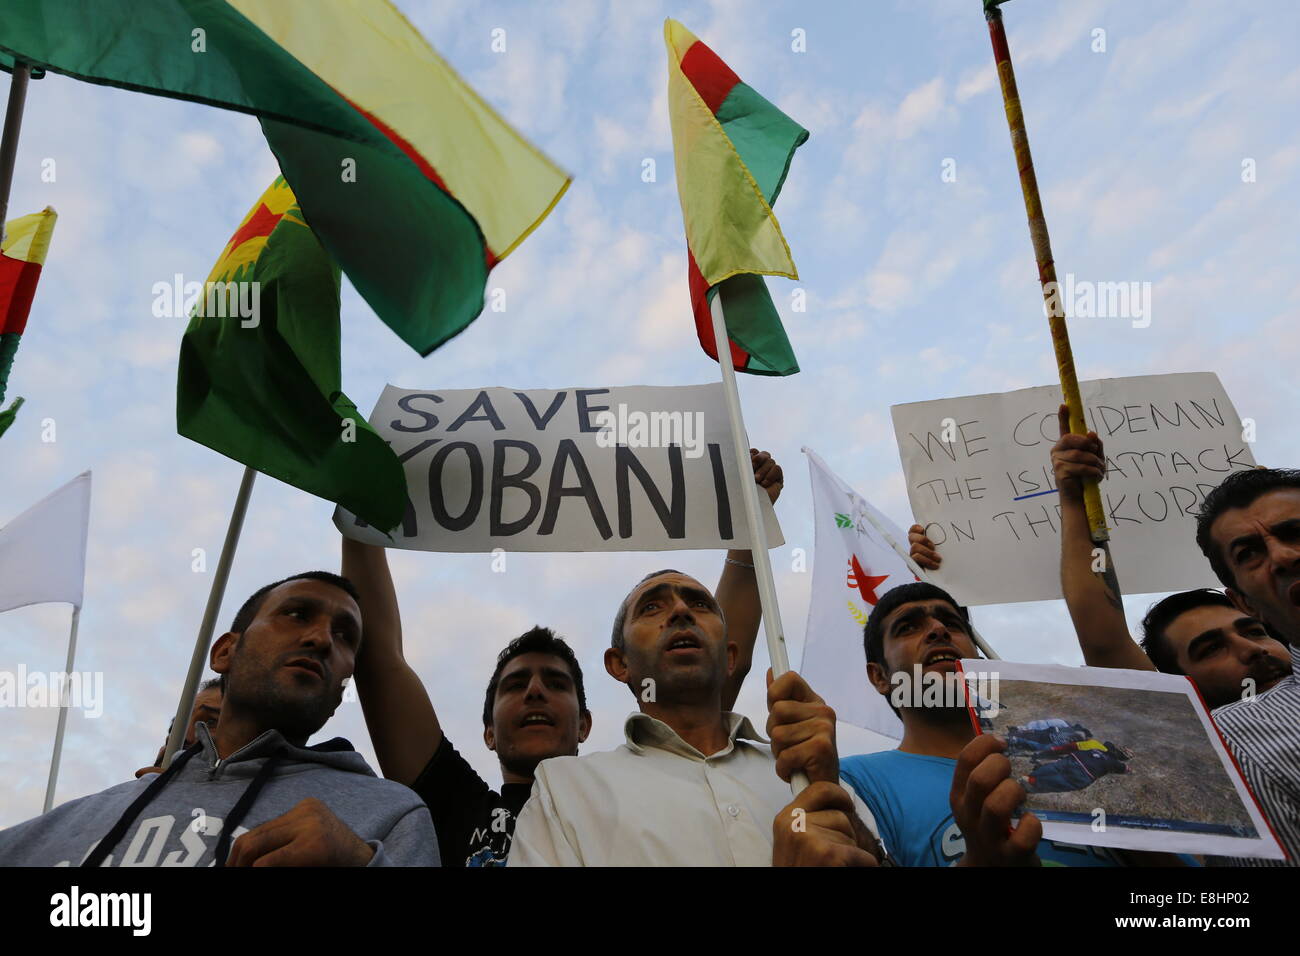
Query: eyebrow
x=547 y=671
x=685 y=590
x=343 y=616
x=1200 y=640
x=1285 y=525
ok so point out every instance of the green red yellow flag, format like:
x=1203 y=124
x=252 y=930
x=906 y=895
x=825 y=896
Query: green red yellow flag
x=732 y=150
x=22 y=255
x=413 y=183
x=263 y=385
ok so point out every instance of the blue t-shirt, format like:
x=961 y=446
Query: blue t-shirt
x=908 y=794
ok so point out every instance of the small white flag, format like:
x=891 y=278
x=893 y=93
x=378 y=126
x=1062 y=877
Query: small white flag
x=853 y=566
x=43 y=550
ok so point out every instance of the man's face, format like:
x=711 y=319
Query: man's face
x=288 y=667
x=931 y=633
x=207 y=708
x=1220 y=648
x=1260 y=544
x=535 y=713
x=675 y=647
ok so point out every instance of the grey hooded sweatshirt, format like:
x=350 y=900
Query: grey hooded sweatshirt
x=190 y=814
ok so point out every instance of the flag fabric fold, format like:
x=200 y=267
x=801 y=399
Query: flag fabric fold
x=43 y=550
x=414 y=185
x=732 y=151
x=265 y=388
x=22 y=256
x=853 y=566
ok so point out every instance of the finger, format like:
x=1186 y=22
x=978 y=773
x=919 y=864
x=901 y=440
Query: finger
x=822 y=795
x=258 y=842
x=995 y=816
x=787 y=712
x=815 y=757
x=971 y=756
x=1026 y=836
x=833 y=826
x=790 y=686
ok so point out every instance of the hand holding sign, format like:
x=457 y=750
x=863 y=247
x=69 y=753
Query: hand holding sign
x=1076 y=459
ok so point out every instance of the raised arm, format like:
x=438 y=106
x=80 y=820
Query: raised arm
x=737 y=591
x=1095 y=609
x=399 y=715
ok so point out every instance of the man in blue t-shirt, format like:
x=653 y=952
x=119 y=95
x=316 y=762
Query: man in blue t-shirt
x=914 y=790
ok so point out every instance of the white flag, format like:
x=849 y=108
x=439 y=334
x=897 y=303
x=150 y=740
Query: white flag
x=43 y=550
x=853 y=566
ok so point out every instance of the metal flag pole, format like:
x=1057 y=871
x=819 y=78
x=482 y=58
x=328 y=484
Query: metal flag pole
x=775 y=634
x=63 y=712
x=9 y=140
x=199 y=659
x=1047 y=276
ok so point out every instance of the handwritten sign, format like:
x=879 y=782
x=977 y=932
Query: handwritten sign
x=636 y=468
x=979 y=477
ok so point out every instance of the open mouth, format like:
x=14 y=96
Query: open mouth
x=941 y=657
x=683 y=642
x=537 y=719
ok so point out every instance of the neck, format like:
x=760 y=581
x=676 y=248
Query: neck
x=699 y=724
x=935 y=733
x=236 y=730
x=509 y=776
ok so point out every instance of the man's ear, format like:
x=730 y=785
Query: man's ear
x=490 y=738
x=1240 y=602
x=584 y=727
x=222 y=651
x=733 y=655
x=878 y=678
x=616 y=664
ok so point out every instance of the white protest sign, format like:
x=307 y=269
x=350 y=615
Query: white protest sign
x=638 y=468
x=979 y=477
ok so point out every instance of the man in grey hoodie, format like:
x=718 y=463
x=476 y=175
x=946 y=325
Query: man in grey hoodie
x=251 y=793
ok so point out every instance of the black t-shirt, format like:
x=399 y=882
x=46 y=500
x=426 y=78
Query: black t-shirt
x=475 y=824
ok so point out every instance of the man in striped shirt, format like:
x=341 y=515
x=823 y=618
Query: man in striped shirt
x=1249 y=529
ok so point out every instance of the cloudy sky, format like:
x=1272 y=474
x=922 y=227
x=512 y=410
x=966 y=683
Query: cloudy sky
x=917 y=288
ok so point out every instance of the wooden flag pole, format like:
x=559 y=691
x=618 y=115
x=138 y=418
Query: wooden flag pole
x=1047 y=277
x=199 y=659
x=9 y=140
x=776 y=651
x=63 y=712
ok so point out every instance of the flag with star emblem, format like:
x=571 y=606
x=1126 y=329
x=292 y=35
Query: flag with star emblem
x=854 y=564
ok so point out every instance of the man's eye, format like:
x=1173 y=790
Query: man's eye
x=1245 y=554
x=296 y=612
x=649 y=606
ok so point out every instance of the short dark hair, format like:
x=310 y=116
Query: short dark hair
x=616 y=640
x=873 y=632
x=248 y=610
x=1160 y=615
x=212 y=683
x=539 y=640
x=1238 y=490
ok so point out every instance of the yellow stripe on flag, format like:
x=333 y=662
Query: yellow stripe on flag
x=368 y=52
x=730 y=228
x=27 y=238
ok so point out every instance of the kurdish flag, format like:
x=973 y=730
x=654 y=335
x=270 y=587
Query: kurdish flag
x=413 y=184
x=732 y=149
x=22 y=254
x=265 y=390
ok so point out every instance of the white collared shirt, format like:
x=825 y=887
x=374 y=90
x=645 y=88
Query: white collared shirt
x=657 y=801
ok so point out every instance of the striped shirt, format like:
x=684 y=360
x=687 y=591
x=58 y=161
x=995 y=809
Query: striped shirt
x=1263 y=733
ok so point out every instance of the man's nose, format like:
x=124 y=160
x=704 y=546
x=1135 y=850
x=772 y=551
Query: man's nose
x=937 y=632
x=679 y=609
x=536 y=688
x=1284 y=555
x=317 y=633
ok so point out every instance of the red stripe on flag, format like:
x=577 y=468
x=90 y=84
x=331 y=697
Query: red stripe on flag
x=704 y=319
x=421 y=163
x=712 y=78
x=17 y=287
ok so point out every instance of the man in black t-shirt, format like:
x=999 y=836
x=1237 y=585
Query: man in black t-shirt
x=535 y=706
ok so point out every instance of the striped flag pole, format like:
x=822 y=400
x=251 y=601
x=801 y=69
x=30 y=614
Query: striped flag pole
x=775 y=634
x=199 y=659
x=1047 y=277
x=9 y=141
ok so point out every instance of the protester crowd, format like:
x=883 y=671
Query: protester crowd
x=694 y=783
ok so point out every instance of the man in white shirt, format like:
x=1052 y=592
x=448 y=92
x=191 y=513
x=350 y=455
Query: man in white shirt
x=693 y=785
